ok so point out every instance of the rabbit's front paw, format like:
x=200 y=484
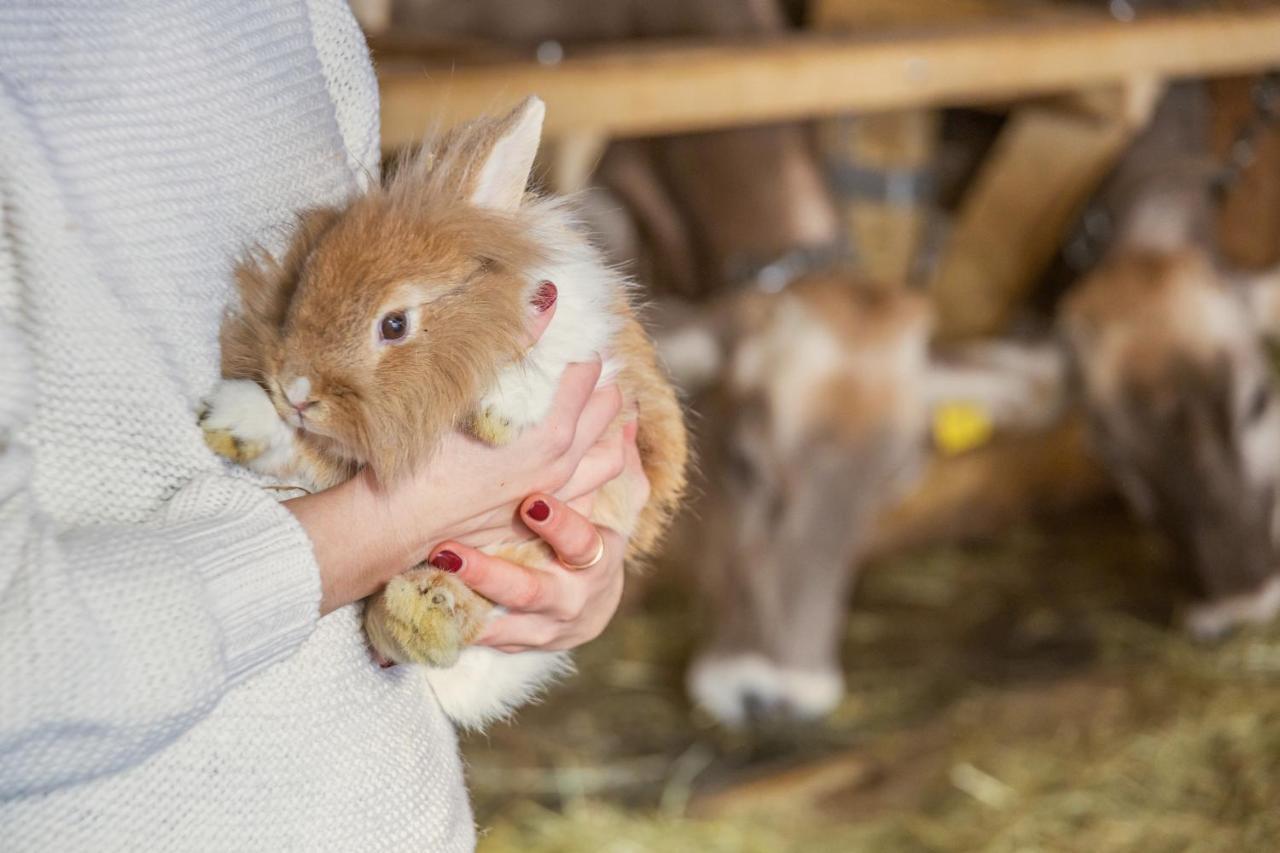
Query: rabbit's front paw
x=425 y=616
x=491 y=427
x=240 y=423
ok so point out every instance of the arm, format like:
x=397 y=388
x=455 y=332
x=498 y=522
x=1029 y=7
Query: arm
x=116 y=639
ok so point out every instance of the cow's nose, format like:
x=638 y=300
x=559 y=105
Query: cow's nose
x=759 y=710
x=749 y=689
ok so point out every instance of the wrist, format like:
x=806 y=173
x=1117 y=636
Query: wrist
x=357 y=541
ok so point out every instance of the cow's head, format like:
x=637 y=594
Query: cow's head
x=813 y=418
x=1183 y=407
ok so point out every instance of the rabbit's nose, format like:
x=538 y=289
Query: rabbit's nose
x=298 y=393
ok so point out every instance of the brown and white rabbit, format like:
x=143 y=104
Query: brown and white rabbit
x=399 y=317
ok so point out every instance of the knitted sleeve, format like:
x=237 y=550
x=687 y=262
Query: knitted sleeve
x=116 y=639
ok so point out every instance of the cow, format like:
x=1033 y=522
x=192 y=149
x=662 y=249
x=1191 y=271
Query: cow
x=1171 y=362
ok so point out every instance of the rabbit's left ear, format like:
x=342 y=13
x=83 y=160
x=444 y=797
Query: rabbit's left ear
x=501 y=176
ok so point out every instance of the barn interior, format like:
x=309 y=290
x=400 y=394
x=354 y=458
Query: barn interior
x=1053 y=616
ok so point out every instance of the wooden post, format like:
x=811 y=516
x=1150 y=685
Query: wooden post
x=1248 y=226
x=1047 y=162
x=879 y=166
x=570 y=160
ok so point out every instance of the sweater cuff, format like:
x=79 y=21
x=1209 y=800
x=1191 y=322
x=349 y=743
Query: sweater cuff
x=259 y=570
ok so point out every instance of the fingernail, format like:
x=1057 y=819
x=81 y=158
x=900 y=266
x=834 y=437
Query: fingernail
x=538 y=511
x=447 y=561
x=544 y=297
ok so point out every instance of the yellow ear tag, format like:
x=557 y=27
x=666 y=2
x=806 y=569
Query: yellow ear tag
x=961 y=426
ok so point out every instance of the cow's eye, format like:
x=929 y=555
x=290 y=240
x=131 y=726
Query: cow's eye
x=1259 y=403
x=393 y=326
x=741 y=467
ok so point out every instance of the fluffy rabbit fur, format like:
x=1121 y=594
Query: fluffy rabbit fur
x=454 y=244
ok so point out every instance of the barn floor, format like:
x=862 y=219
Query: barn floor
x=1022 y=694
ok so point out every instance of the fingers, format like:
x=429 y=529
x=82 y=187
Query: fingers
x=588 y=600
x=597 y=415
x=513 y=586
x=584 y=504
x=573 y=537
x=541 y=309
x=557 y=432
x=602 y=463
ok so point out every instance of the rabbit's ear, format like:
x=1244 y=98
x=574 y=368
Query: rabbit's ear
x=503 y=173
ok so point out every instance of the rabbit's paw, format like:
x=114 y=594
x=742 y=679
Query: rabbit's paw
x=425 y=616
x=240 y=423
x=491 y=427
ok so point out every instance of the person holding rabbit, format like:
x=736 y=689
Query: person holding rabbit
x=181 y=668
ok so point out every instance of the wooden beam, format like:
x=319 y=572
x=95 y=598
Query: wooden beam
x=881 y=14
x=636 y=90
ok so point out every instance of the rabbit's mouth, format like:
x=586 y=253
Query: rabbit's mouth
x=331 y=447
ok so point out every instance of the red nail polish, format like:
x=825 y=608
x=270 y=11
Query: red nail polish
x=538 y=511
x=544 y=297
x=447 y=561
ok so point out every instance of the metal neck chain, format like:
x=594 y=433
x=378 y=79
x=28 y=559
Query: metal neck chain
x=1243 y=151
x=774 y=274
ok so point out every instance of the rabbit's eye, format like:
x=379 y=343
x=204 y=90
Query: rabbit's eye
x=393 y=326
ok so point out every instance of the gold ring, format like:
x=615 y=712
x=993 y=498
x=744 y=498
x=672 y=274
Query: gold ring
x=597 y=558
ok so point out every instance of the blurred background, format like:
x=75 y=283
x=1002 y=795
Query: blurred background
x=973 y=305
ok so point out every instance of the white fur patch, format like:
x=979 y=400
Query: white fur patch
x=1213 y=620
x=299 y=391
x=728 y=687
x=487 y=685
x=241 y=407
x=582 y=328
x=691 y=356
x=789 y=362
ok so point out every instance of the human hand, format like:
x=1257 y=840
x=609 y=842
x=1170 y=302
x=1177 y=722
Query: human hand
x=554 y=607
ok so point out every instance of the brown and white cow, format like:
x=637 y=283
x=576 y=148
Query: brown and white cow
x=812 y=420
x=813 y=414
x=1183 y=408
x=1174 y=372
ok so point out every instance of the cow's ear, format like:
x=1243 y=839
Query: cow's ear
x=691 y=340
x=1017 y=386
x=1261 y=294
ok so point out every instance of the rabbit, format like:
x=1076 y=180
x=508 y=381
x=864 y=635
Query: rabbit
x=400 y=316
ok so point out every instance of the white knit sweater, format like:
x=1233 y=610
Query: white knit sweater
x=165 y=683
